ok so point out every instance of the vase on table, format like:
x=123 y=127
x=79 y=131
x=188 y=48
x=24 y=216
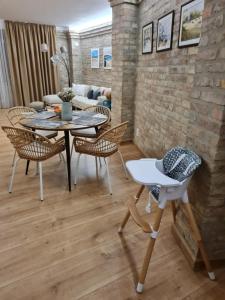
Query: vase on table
x=66 y=113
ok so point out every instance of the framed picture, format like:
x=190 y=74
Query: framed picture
x=147 y=38
x=165 y=32
x=107 y=58
x=95 y=58
x=190 y=23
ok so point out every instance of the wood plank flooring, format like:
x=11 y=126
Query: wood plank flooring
x=67 y=248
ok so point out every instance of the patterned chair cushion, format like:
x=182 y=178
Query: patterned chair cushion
x=179 y=163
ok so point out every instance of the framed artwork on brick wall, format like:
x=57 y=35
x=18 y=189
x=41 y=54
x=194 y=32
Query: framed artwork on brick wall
x=95 y=58
x=107 y=58
x=190 y=23
x=147 y=38
x=165 y=32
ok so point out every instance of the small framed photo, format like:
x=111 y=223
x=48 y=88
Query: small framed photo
x=190 y=23
x=107 y=58
x=165 y=32
x=147 y=38
x=95 y=58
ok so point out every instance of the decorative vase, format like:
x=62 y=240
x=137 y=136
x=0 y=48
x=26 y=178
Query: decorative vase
x=66 y=113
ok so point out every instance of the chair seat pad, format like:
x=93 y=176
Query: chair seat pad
x=48 y=134
x=87 y=132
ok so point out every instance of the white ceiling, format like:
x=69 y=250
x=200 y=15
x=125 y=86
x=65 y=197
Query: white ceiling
x=78 y=14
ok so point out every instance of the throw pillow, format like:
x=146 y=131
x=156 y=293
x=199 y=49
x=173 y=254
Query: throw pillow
x=90 y=94
x=96 y=94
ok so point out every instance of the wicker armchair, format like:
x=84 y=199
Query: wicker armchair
x=104 y=146
x=15 y=115
x=32 y=146
x=91 y=132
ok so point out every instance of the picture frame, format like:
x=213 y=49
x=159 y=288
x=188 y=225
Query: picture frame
x=147 y=38
x=165 y=25
x=95 y=58
x=107 y=58
x=190 y=23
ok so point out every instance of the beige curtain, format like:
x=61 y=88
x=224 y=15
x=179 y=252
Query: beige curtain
x=32 y=73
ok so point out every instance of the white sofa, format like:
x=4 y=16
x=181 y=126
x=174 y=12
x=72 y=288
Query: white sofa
x=80 y=100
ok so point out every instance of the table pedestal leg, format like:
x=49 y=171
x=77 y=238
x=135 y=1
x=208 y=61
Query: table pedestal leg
x=67 y=145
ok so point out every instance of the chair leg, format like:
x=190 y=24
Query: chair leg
x=71 y=154
x=27 y=167
x=174 y=210
x=198 y=238
x=151 y=244
x=13 y=175
x=96 y=166
x=127 y=216
x=76 y=169
x=108 y=175
x=124 y=167
x=100 y=162
x=14 y=157
x=41 y=180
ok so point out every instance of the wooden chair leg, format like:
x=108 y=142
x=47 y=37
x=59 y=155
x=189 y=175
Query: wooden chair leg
x=127 y=216
x=151 y=244
x=174 y=210
x=198 y=238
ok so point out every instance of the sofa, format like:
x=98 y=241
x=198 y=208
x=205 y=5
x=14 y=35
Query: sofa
x=85 y=95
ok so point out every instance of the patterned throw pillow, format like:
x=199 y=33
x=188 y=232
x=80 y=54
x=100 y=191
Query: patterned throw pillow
x=90 y=94
x=96 y=94
x=178 y=163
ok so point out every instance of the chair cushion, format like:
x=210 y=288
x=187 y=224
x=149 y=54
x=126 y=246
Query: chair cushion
x=179 y=163
x=46 y=133
x=87 y=132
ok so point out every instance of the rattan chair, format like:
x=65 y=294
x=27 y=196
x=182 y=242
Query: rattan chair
x=104 y=146
x=16 y=114
x=32 y=146
x=92 y=132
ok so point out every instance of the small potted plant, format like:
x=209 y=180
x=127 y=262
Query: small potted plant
x=66 y=96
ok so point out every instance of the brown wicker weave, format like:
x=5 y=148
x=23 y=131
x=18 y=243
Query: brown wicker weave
x=32 y=146
x=91 y=132
x=15 y=115
x=103 y=146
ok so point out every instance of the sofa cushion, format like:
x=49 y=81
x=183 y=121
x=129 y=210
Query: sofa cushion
x=90 y=94
x=52 y=99
x=81 y=89
x=83 y=102
x=95 y=88
x=96 y=94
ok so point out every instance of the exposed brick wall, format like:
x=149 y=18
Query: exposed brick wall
x=101 y=76
x=124 y=43
x=180 y=100
x=79 y=47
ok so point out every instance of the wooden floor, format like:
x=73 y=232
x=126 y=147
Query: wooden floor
x=67 y=248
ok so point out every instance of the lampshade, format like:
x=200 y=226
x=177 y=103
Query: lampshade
x=44 y=47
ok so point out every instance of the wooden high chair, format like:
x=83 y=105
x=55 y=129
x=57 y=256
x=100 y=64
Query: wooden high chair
x=166 y=180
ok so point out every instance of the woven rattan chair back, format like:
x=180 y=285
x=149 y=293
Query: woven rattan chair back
x=15 y=114
x=115 y=134
x=105 y=145
x=30 y=145
x=100 y=110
